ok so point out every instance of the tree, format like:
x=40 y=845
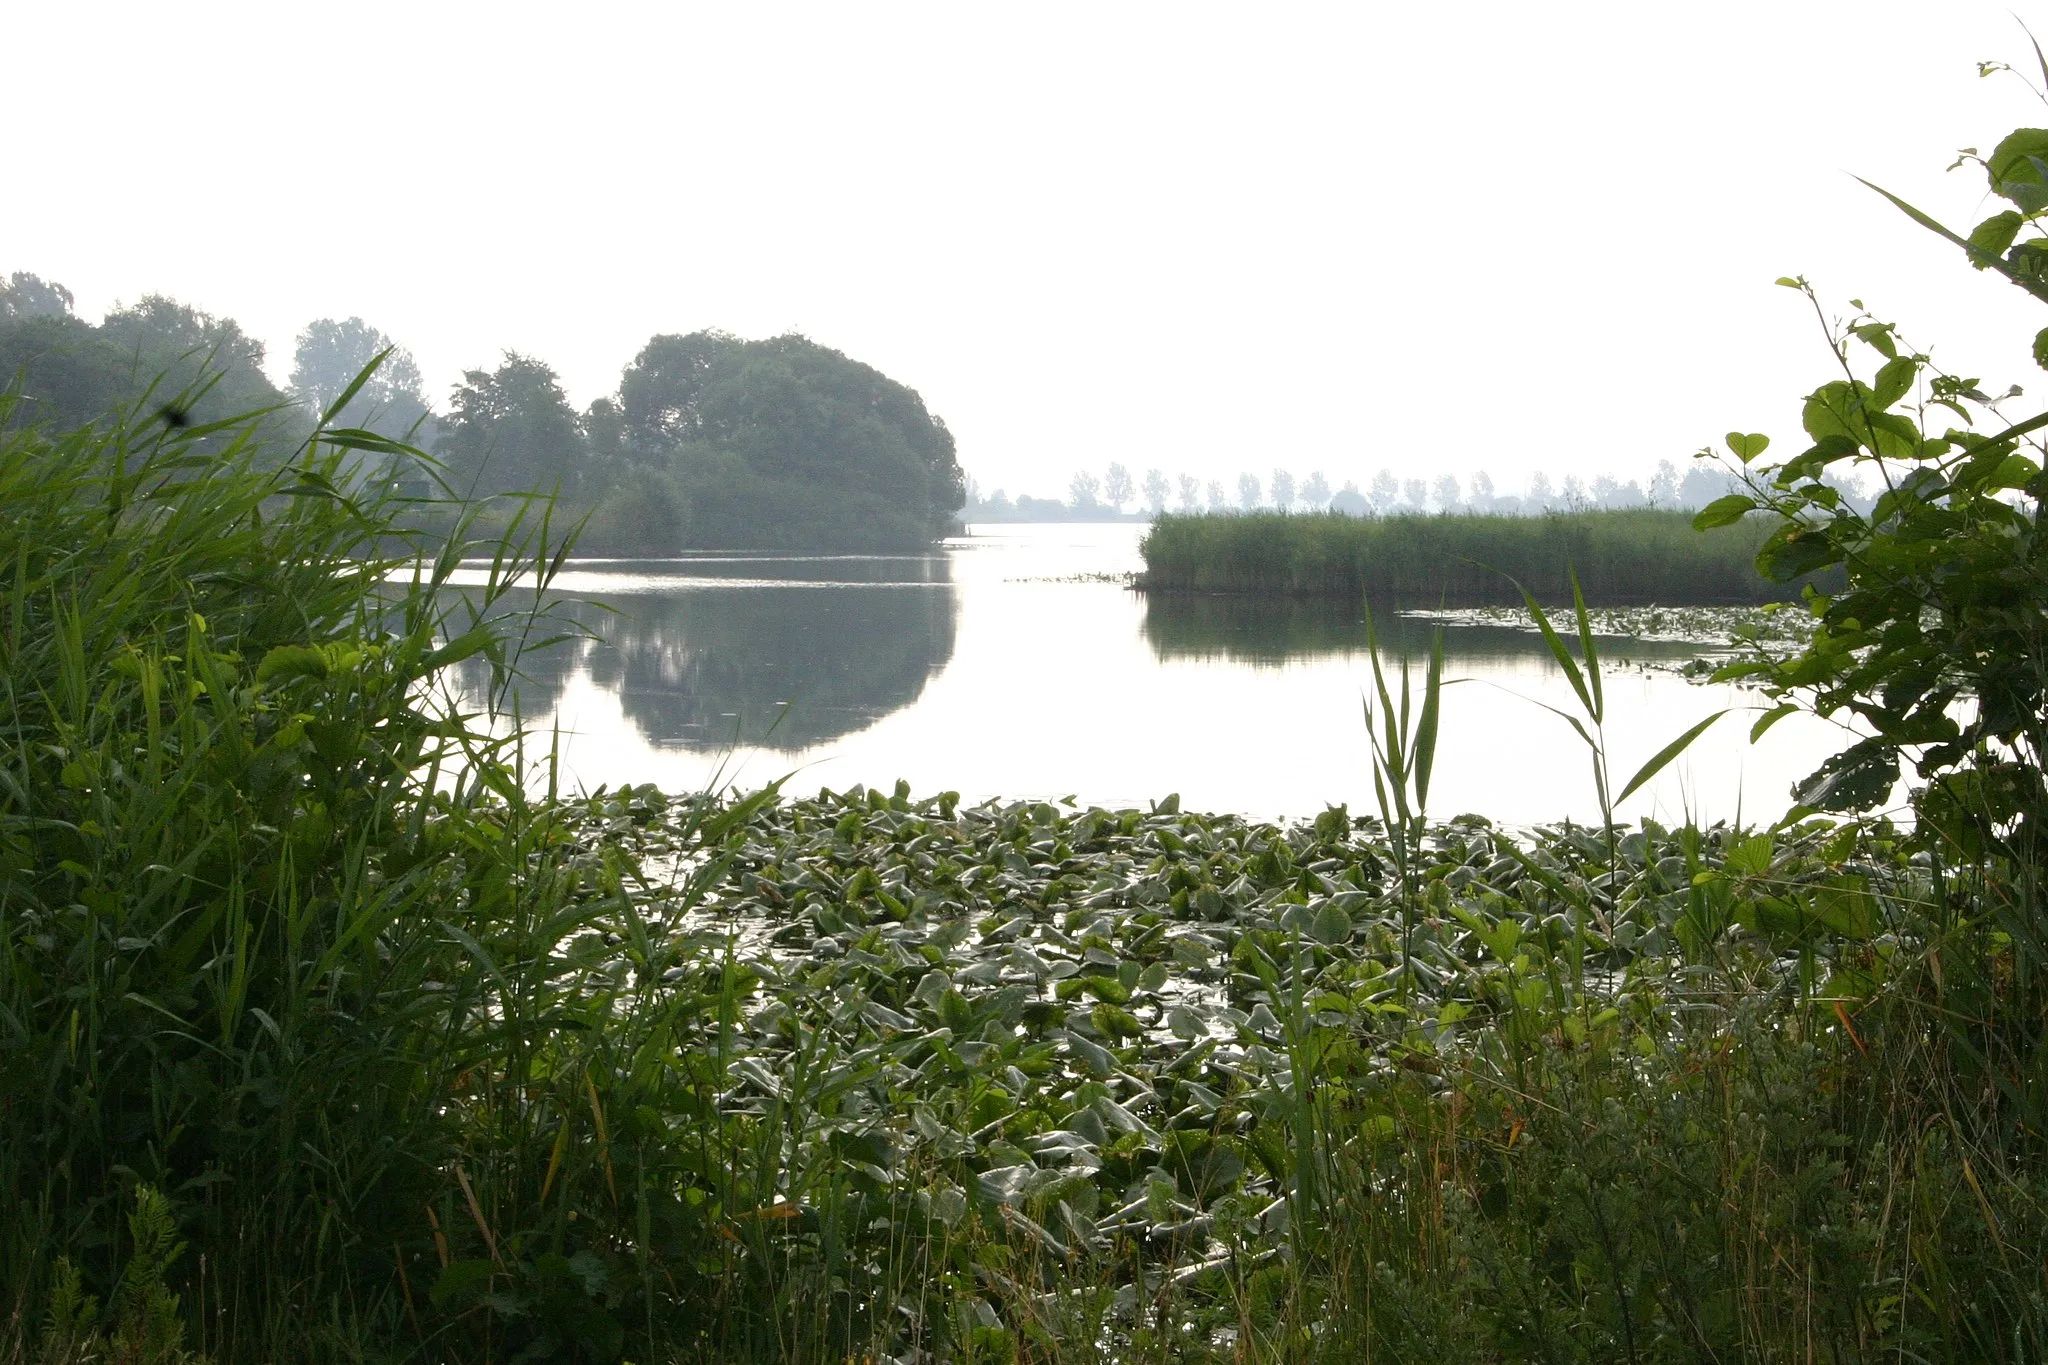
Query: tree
x=1664 y=485
x=180 y=350
x=1448 y=494
x=604 y=433
x=1385 y=491
x=1482 y=491
x=1248 y=491
x=1217 y=500
x=1283 y=490
x=1417 y=494
x=1703 y=483
x=511 y=429
x=193 y=367
x=1574 y=496
x=1937 y=641
x=1084 y=491
x=1541 y=495
x=1315 y=491
x=1116 y=486
x=660 y=391
x=331 y=354
x=23 y=295
x=1350 y=501
x=784 y=443
x=1156 y=490
x=1190 y=493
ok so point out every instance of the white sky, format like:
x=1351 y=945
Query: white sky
x=1203 y=237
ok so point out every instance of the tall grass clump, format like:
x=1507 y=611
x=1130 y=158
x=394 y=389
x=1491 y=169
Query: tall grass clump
x=1623 y=557
x=252 y=868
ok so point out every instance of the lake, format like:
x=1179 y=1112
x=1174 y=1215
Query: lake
x=1012 y=662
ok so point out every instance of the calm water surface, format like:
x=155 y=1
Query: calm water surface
x=1003 y=665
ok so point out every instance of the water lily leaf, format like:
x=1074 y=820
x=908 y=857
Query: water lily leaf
x=1331 y=925
x=1098 y=1061
x=931 y=986
x=1112 y=1022
x=1005 y=1184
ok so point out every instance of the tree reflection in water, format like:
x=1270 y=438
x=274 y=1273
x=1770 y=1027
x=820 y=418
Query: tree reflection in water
x=782 y=654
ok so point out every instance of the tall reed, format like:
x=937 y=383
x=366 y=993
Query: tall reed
x=1622 y=557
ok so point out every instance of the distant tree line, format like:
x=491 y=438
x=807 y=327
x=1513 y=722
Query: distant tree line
x=1115 y=495
x=710 y=441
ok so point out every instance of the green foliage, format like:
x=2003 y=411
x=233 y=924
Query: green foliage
x=786 y=444
x=1622 y=557
x=67 y=372
x=512 y=430
x=331 y=355
x=1936 y=641
x=434 y=1068
x=228 y=791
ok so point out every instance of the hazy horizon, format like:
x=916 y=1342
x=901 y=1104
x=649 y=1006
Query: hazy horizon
x=1317 y=237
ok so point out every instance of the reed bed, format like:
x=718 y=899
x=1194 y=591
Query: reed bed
x=1623 y=557
x=324 y=1037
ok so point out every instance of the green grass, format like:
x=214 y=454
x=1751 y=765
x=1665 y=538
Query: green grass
x=327 y=1032
x=1623 y=558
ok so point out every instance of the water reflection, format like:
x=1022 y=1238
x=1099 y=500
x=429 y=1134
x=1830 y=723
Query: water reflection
x=1270 y=632
x=782 y=654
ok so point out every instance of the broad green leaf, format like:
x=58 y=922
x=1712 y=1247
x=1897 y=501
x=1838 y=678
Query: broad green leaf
x=2014 y=165
x=1332 y=924
x=1994 y=236
x=1856 y=779
x=286 y=662
x=1894 y=381
x=2041 y=348
x=1770 y=718
x=1749 y=857
x=1723 y=511
x=1795 y=553
x=1877 y=336
x=2036 y=287
x=2014 y=471
x=1748 y=446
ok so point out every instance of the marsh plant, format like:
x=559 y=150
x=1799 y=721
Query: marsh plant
x=329 y=1030
x=1622 y=557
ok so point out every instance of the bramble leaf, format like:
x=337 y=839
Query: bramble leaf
x=1856 y=779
